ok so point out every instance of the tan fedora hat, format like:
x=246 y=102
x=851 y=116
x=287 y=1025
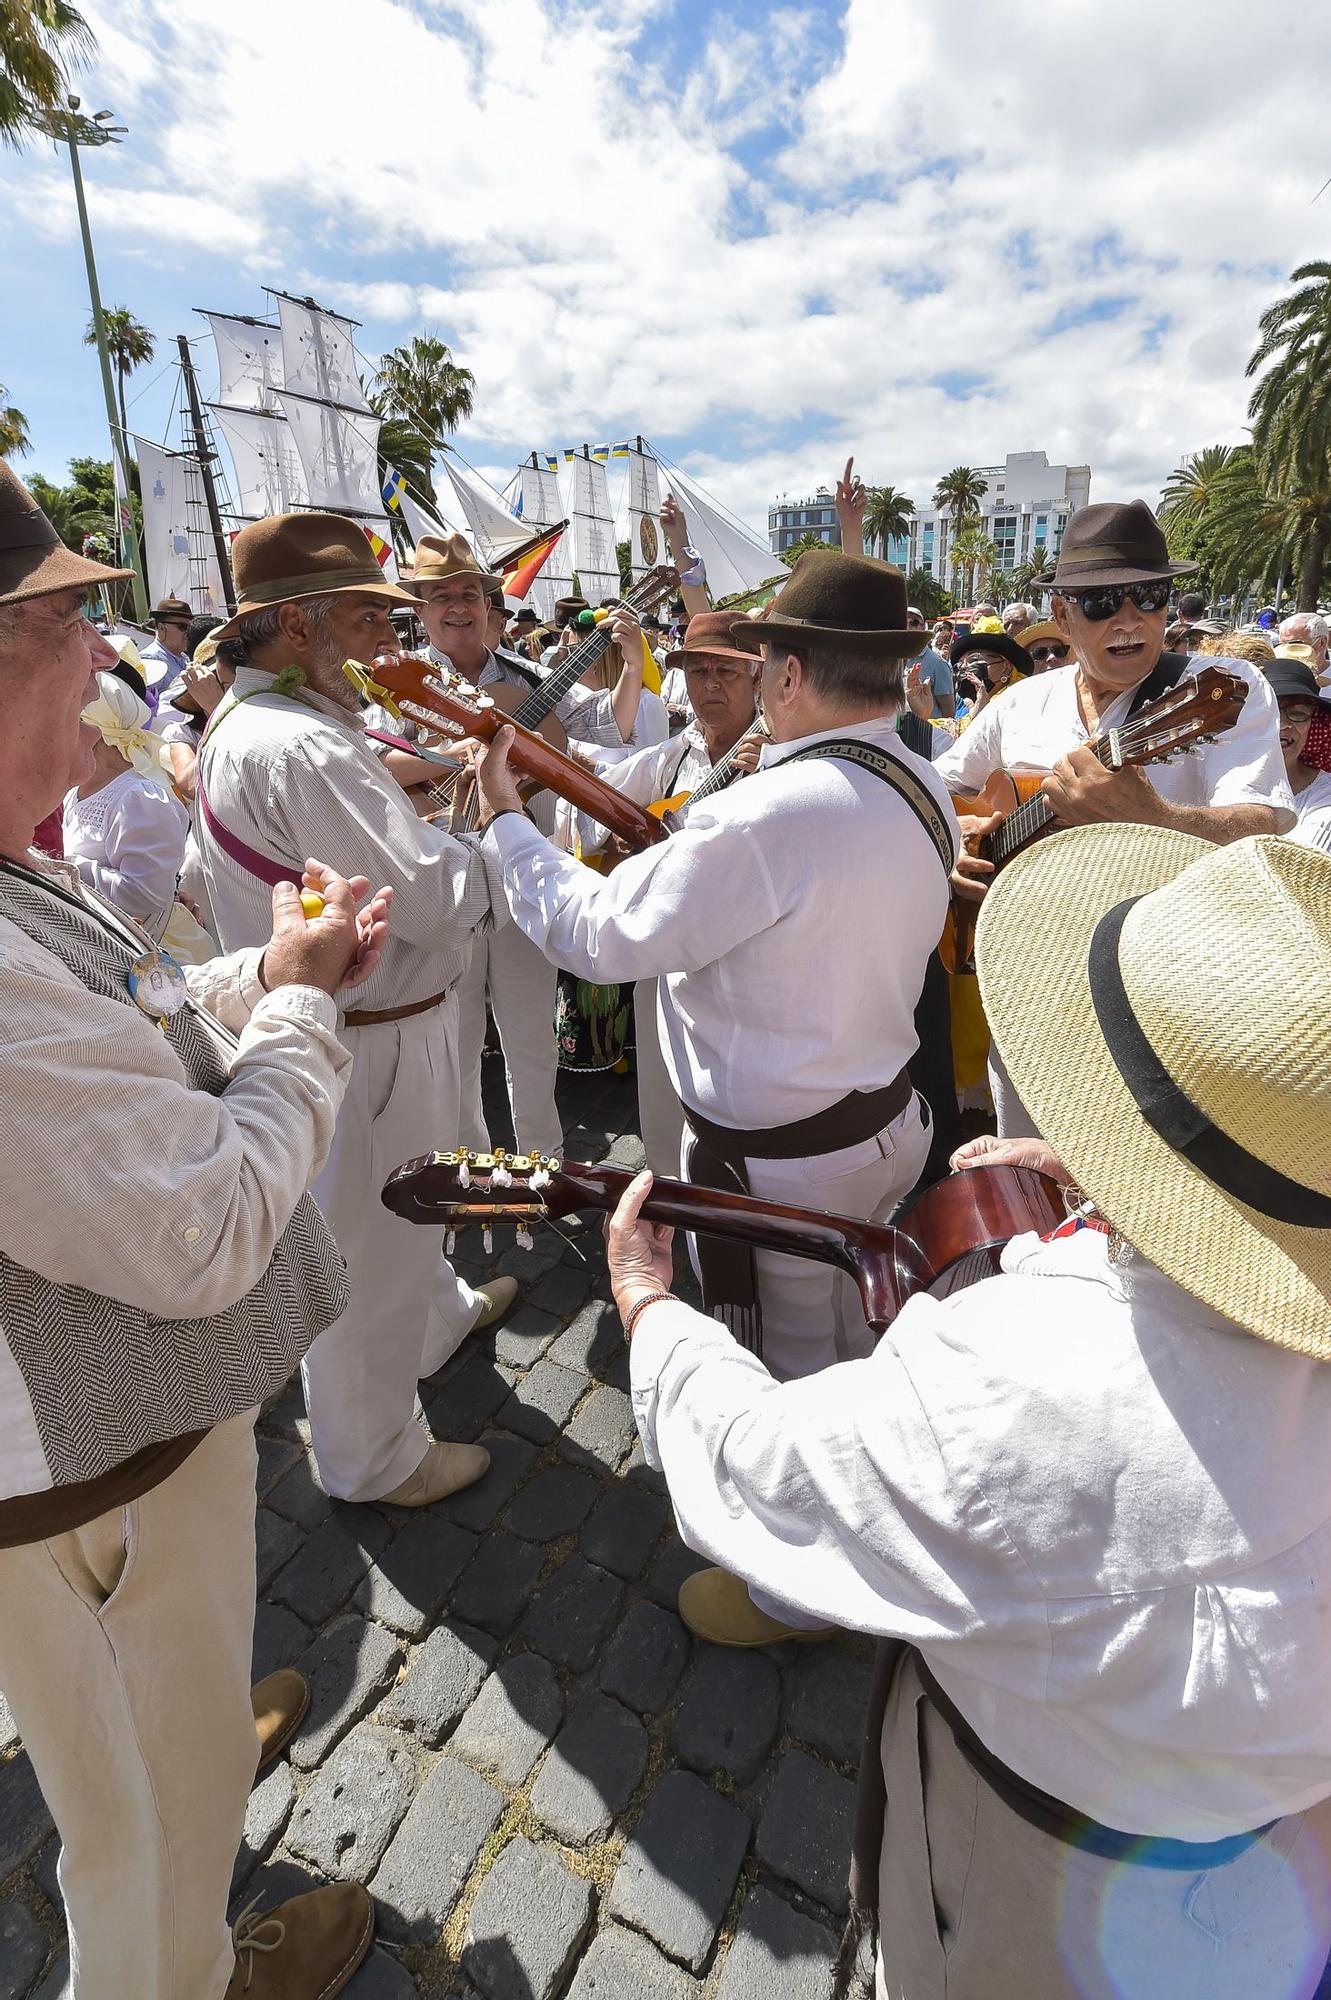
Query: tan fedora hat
x=441 y=556
x=852 y=603
x=289 y=558
x=1163 y=1006
x=34 y=562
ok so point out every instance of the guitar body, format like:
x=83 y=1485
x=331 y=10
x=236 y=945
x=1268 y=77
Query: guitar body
x=1003 y=793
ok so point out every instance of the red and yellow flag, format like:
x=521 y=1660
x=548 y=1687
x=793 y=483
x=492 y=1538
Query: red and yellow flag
x=382 y=549
x=519 y=580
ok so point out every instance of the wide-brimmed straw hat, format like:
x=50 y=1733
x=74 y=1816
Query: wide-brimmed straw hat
x=1113 y=542
x=441 y=556
x=1035 y=635
x=34 y=562
x=852 y=604
x=1171 y=1038
x=709 y=632
x=290 y=558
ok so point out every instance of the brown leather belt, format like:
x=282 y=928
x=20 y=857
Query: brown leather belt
x=370 y=1017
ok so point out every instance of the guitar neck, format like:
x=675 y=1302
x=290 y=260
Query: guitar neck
x=725 y=770
x=545 y=699
x=1031 y=818
x=569 y=780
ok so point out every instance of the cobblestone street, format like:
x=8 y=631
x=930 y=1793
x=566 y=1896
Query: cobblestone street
x=548 y=1786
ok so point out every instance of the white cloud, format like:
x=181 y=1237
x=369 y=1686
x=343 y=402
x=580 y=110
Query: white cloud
x=595 y=242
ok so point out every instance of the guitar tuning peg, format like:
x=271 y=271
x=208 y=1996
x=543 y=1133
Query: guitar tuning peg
x=524 y=1237
x=450 y=1242
x=487 y=1239
x=463 y=1158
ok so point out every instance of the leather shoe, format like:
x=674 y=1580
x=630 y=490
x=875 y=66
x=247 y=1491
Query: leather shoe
x=279 y=1701
x=306 y=1949
x=716 y=1605
x=496 y=1298
x=445 y=1469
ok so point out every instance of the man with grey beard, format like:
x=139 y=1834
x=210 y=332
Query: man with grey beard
x=284 y=771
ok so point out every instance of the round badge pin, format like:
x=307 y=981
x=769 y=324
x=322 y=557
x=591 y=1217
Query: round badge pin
x=157 y=985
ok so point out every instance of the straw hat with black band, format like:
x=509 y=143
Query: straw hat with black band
x=1172 y=1041
x=34 y=562
x=293 y=558
x=1115 y=541
x=846 y=604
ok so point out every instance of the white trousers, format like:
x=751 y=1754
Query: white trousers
x=125 y=1657
x=660 y=1118
x=1014 y=1120
x=521 y=985
x=409 y=1310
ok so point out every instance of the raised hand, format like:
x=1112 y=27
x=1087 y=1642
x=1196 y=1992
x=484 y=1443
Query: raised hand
x=674 y=524
x=852 y=498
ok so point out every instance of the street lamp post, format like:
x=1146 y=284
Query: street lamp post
x=76 y=129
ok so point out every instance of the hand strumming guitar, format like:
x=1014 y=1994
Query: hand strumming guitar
x=971 y=876
x=987 y=1151
x=1084 y=792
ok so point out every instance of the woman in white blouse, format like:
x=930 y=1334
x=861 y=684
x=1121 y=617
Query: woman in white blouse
x=1305 y=743
x=123 y=829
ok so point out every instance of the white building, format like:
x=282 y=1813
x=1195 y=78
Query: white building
x=1026 y=504
x=789 y=521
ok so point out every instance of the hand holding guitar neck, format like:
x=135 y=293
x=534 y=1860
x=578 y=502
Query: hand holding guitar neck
x=496 y=785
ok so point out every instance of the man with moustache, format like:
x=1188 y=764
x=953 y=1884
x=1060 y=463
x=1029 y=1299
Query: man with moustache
x=1111 y=587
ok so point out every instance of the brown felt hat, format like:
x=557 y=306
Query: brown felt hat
x=852 y=603
x=441 y=556
x=34 y=562
x=290 y=558
x=172 y=611
x=709 y=632
x=1115 y=541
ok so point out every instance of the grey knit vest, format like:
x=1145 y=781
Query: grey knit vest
x=105 y=1378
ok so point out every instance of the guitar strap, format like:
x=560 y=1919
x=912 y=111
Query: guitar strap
x=1167 y=672
x=909 y=788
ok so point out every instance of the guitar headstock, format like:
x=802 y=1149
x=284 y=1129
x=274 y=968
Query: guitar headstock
x=1195 y=710
x=454 y=1188
x=422 y=690
x=653 y=588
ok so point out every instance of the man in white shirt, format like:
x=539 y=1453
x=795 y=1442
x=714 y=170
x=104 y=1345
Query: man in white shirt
x=790 y=920
x=1086 y=1503
x=1111 y=590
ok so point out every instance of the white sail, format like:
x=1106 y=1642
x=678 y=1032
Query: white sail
x=495 y=529
x=645 y=538
x=269 y=476
x=319 y=356
x=181 y=559
x=249 y=361
x=541 y=507
x=339 y=452
x=736 y=558
x=593 y=531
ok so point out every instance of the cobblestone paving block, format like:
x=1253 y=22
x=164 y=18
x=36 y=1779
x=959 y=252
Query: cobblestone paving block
x=592 y=1771
x=591 y=1340
x=528 y=1266
x=322 y=1575
x=543 y=1401
x=276 y=1882
x=419 y=1880
x=604 y=1426
x=381 y=1978
x=266 y=1814
x=527 y=1922
x=562 y=1290
x=646 y=1657
x=624 y=1528
x=22 y=1949
x=554 y=1502
x=728 y=1718
x=827 y=1692
x=275 y=1542
x=407 y=1585
x=441 y=1681
x=627 y=1152
x=524 y=1340
x=286 y=1413
x=804 y=1832
x=348 y=1669
x=353 y=1806
x=24 y=1820
x=572 y=1614
x=461 y=1405
x=8 y=1726
x=299 y=1498
x=511 y=1720
x=276 y=1456
x=476 y=1506
x=777 y=1953
x=619 y=1963
x=636 y=1467
x=44 y=1864
x=56 y=1984
x=279 y=1638
x=674 y=1563
x=498 y=1581
x=680 y=1867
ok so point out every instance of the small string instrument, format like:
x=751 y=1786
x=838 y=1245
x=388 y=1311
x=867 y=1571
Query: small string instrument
x=1195 y=710
x=951 y=1236
x=723 y=772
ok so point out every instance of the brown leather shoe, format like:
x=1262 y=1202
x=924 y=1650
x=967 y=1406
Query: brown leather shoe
x=279 y=1701
x=306 y=1949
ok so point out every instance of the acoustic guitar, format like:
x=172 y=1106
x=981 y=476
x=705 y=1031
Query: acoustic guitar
x=951 y=1237
x=1194 y=711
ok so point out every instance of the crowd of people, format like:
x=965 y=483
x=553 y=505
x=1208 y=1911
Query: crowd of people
x=255 y=920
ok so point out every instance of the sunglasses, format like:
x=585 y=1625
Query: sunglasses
x=1097 y=605
x=1049 y=649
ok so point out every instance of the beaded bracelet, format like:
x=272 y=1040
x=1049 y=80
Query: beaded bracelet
x=631 y=1316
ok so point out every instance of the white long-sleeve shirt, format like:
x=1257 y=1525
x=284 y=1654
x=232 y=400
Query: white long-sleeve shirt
x=792 y=917
x=1102 y=1513
x=128 y=843
x=1312 y=806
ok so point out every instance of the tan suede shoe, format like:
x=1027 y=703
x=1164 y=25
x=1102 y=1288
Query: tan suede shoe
x=306 y=1949
x=279 y=1701
x=445 y=1469
x=716 y=1605
x=496 y=1298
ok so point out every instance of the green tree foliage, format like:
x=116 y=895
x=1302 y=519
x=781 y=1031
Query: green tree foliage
x=423 y=386
x=888 y=515
x=13 y=428
x=959 y=493
x=973 y=556
x=40 y=41
x=1025 y=575
x=85 y=504
x=1291 y=420
x=129 y=344
x=927 y=594
x=802 y=547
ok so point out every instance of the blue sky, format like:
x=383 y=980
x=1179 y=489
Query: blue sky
x=765 y=237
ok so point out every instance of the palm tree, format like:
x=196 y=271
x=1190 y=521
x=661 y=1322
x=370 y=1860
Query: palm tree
x=1189 y=494
x=888 y=516
x=13 y=428
x=802 y=547
x=1027 y=573
x=975 y=556
x=129 y=344
x=959 y=493
x=75 y=510
x=1291 y=412
x=423 y=385
x=1256 y=534
x=927 y=594
x=402 y=446
x=39 y=40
